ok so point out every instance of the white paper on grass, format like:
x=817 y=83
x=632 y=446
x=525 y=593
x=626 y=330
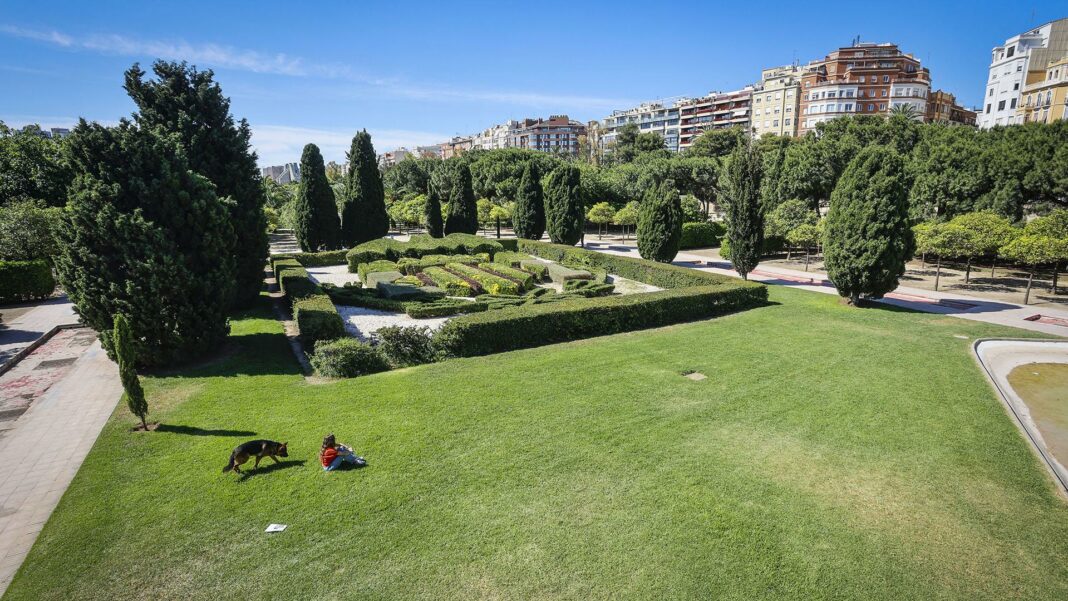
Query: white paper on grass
x=275 y=528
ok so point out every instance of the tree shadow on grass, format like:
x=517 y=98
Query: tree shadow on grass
x=273 y=467
x=195 y=431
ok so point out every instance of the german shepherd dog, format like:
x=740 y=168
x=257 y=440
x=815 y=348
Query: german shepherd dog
x=258 y=449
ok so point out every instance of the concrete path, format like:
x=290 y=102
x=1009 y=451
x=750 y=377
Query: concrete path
x=24 y=324
x=1045 y=320
x=33 y=476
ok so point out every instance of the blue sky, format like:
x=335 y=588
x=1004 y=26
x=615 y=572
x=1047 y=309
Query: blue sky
x=420 y=72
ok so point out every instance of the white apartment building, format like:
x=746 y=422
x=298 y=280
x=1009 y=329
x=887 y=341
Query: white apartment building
x=775 y=102
x=1010 y=66
x=661 y=117
x=282 y=174
x=496 y=137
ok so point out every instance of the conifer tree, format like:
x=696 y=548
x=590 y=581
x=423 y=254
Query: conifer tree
x=363 y=211
x=660 y=223
x=528 y=218
x=317 y=224
x=463 y=211
x=745 y=220
x=126 y=357
x=432 y=213
x=564 y=210
x=868 y=239
x=145 y=236
x=189 y=103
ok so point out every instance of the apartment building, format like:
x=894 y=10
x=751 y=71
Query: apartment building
x=942 y=107
x=456 y=146
x=495 y=137
x=557 y=134
x=1010 y=66
x=282 y=174
x=660 y=117
x=776 y=102
x=717 y=110
x=1045 y=100
x=862 y=79
x=389 y=159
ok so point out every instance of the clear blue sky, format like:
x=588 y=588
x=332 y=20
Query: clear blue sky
x=419 y=72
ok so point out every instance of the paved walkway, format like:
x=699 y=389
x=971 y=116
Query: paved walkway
x=1045 y=320
x=23 y=324
x=34 y=476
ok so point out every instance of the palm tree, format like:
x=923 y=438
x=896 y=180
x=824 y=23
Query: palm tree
x=907 y=111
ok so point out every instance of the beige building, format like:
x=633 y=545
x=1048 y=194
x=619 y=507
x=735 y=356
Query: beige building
x=775 y=102
x=1045 y=97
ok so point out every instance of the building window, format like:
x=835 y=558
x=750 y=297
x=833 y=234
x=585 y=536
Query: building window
x=988 y=109
x=786 y=122
x=886 y=79
x=1012 y=103
x=882 y=107
x=1016 y=86
x=1001 y=105
x=884 y=93
x=871 y=107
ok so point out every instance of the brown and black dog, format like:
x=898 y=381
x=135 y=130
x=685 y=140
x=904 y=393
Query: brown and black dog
x=258 y=449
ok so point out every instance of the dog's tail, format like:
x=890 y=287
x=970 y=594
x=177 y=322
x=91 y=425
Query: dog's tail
x=230 y=466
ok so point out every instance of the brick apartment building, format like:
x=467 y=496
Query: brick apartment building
x=557 y=134
x=942 y=107
x=862 y=79
x=718 y=110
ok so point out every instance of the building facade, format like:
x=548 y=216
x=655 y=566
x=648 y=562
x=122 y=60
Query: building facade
x=1010 y=64
x=495 y=137
x=942 y=107
x=389 y=159
x=862 y=79
x=1045 y=100
x=557 y=134
x=776 y=102
x=661 y=118
x=717 y=110
x=456 y=146
x=282 y=174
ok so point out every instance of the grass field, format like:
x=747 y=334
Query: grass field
x=832 y=453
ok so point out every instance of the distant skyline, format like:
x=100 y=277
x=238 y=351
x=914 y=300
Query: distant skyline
x=419 y=73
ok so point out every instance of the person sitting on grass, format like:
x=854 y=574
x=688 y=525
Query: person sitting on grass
x=333 y=455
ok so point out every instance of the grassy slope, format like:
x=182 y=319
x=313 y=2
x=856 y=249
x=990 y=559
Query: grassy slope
x=832 y=453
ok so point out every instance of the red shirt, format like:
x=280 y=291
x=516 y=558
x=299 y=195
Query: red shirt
x=328 y=456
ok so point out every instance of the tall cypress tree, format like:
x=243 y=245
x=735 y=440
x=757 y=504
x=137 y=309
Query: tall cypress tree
x=432 y=213
x=126 y=357
x=867 y=234
x=317 y=224
x=363 y=212
x=145 y=236
x=564 y=211
x=463 y=212
x=745 y=220
x=660 y=223
x=189 y=103
x=528 y=217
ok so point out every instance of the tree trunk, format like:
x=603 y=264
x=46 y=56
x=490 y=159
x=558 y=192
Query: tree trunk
x=806 y=259
x=1027 y=293
x=498 y=228
x=1056 y=268
x=923 y=261
x=993 y=263
x=854 y=299
x=788 y=251
x=938 y=272
x=968 y=271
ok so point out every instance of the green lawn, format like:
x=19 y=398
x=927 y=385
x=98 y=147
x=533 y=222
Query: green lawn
x=832 y=453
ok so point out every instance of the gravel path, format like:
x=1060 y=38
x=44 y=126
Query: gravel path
x=333 y=274
x=362 y=322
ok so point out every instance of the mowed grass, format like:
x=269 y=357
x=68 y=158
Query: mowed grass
x=832 y=453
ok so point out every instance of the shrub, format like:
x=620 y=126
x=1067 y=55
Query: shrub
x=539 y=270
x=375 y=266
x=537 y=324
x=509 y=244
x=126 y=357
x=511 y=258
x=491 y=283
x=386 y=249
x=317 y=318
x=443 y=308
x=293 y=279
x=406 y=346
x=698 y=235
x=524 y=278
x=347 y=358
x=419 y=246
x=354 y=296
x=564 y=210
x=25 y=280
x=660 y=223
x=559 y=273
x=452 y=284
x=411 y=265
x=28 y=231
x=319 y=259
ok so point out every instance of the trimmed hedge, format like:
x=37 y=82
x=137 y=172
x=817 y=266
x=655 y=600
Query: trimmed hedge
x=512 y=259
x=491 y=283
x=539 y=270
x=319 y=259
x=347 y=358
x=25 y=280
x=452 y=284
x=409 y=265
x=444 y=308
x=558 y=273
x=374 y=267
x=408 y=292
x=699 y=235
x=293 y=279
x=509 y=244
x=313 y=311
x=524 y=278
x=548 y=323
x=420 y=245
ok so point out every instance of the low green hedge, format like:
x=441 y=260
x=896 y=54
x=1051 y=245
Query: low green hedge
x=319 y=259
x=452 y=284
x=524 y=278
x=317 y=318
x=444 y=308
x=25 y=280
x=512 y=259
x=559 y=273
x=699 y=235
x=420 y=245
x=293 y=279
x=539 y=270
x=410 y=265
x=532 y=325
x=347 y=358
x=491 y=283
x=509 y=244
x=374 y=267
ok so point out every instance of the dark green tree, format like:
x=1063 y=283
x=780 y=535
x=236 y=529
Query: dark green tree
x=432 y=214
x=463 y=212
x=717 y=142
x=146 y=236
x=528 y=218
x=660 y=223
x=363 y=212
x=32 y=167
x=745 y=219
x=317 y=224
x=565 y=210
x=867 y=235
x=126 y=356
x=190 y=104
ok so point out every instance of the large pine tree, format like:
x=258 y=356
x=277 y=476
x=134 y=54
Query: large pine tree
x=145 y=236
x=189 y=103
x=660 y=223
x=867 y=234
x=528 y=217
x=363 y=211
x=462 y=217
x=565 y=212
x=432 y=213
x=317 y=224
x=745 y=220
